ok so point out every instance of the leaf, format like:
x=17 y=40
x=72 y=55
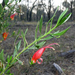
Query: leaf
x=18 y=45
x=19 y=0
x=0 y=9
x=64 y=19
x=17 y=35
x=2 y=56
x=39 y=45
x=6 y=1
x=48 y=38
x=9 y=59
x=17 y=48
x=23 y=36
x=40 y=24
x=14 y=61
x=18 y=32
x=32 y=47
x=62 y=32
x=20 y=62
x=8 y=71
x=51 y=21
x=26 y=31
x=13 y=33
x=15 y=52
x=11 y=74
x=36 y=32
x=61 y=16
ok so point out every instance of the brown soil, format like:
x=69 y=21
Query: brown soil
x=66 y=41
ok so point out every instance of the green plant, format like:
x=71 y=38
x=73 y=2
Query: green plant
x=10 y=61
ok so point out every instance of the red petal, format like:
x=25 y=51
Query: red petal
x=51 y=48
x=52 y=44
x=40 y=62
x=5 y=35
x=38 y=54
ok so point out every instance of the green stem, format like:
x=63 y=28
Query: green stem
x=23 y=51
x=27 y=48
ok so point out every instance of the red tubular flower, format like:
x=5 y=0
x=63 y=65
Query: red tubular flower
x=5 y=34
x=12 y=16
x=37 y=55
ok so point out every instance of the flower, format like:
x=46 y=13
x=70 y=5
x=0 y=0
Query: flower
x=12 y=16
x=37 y=55
x=5 y=34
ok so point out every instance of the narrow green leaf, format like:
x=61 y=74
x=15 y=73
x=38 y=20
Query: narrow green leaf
x=39 y=45
x=51 y=21
x=61 y=16
x=26 y=31
x=17 y=35
x=64 y=19
x=0 y=9
x=18 y=45
x=56 y=32
x=2 y=56
x=48 y=38
x=18 y=32
x=40 y=24
x=19 y=0
x=16 y=38
x=61 y=33
x=47 y=25
x=36 y=31
x=20 y=62
x=9 y=59
x=8 y=71
x=6 y=1
x=14 y=61
x=13 y=33
x=11 y=74
x=23 y=36
x=32 y=47
x=17 y=48
x=15 y=52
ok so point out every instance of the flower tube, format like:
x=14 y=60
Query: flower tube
x=5 y=34
x=37 y=55
x=12 y=16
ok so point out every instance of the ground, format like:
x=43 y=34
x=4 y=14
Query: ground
x=66 y=42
